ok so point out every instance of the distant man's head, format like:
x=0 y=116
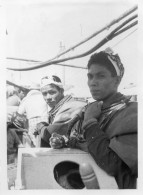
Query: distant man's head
x=52 y=90
x=21 y=92
x=105 y=72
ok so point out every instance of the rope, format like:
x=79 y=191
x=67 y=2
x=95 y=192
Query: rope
x=35 y=61
x=97 y=32
x=101 y=43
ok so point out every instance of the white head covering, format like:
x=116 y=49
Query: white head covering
x=116 y=62
x=51 y=80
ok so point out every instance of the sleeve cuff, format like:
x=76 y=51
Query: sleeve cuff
x=41 y=125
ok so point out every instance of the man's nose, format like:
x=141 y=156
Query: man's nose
x=94 y=82
x=48 y=97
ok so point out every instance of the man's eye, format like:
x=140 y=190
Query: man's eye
x=101 y=76
x=52 y=93
x=44 y=94
x=89 y=76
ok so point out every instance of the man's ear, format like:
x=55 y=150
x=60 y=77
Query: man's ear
x=117 y=80
x=62 y=90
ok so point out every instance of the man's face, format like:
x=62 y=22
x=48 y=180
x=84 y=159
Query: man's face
x=101 y=83
x=22 y=95
x=52 y=95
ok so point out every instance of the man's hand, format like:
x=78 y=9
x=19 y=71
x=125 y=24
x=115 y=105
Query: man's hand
x=39 y=127
x=56 y=141
x=93 y=111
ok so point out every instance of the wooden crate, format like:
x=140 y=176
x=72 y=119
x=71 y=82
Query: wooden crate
x=36 y=168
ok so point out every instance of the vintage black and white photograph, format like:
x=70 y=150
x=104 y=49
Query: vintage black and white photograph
x=71 y=80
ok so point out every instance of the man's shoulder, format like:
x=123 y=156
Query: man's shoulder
x=128 y=112
x=73 y=103
x=69 y=110
x=125 y=120
x=13 y=100
x=131 y=108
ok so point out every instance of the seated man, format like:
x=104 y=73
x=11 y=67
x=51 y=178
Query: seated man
x=110 y=123
x=34 y=108
x=62 y=109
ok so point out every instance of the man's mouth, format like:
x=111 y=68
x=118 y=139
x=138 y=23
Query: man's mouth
x=50 y=103
x=94 y=91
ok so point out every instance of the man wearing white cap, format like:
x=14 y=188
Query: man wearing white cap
x=62 y=109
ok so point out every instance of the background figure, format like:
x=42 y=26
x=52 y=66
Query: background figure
x=13 y=141
x=12 y=97
x=35 y=109
x=21 y=92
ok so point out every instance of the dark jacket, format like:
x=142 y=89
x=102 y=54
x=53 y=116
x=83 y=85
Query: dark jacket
x=59 y=120
x=114 y=145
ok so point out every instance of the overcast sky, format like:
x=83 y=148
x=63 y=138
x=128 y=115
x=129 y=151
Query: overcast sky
x=37 y=29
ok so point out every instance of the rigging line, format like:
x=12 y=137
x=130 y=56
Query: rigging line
x=123 y=24
x=126 y=28
x=97 y=32
x=71 y=66
x=124 y=38
x=21 y=59
x=35 y=61
x=101 y=43
x=15 y=85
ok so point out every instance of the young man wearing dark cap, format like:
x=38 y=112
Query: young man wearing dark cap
x=110 y=123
